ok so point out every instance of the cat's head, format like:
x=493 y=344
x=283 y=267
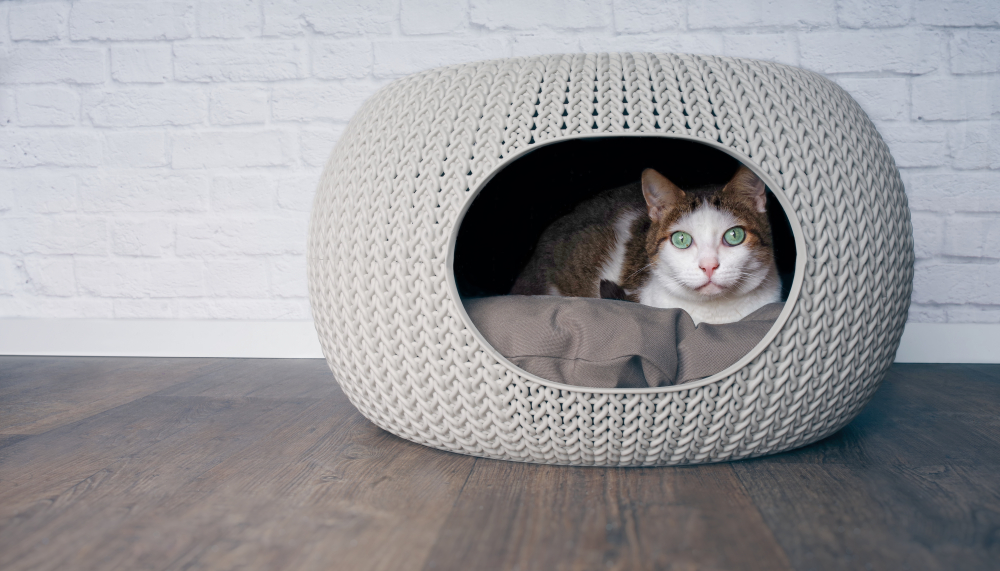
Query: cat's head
x=709 y=242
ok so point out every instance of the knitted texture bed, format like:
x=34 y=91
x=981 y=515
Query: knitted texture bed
x=398 y=340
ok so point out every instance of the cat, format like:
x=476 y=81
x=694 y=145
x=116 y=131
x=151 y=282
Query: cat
x=706 y=250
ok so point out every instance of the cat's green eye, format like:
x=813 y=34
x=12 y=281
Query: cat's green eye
x=734 y=236
x=680 y=239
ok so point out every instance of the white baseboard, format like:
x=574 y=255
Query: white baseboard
x=159 y=338
x=950 y=343
x=922 y=342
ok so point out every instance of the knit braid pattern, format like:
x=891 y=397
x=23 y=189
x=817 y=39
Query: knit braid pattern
x=394 y=188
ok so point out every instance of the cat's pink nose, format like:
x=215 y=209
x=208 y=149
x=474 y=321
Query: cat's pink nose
x=708 y=265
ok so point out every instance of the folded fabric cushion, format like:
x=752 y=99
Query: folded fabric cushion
x=612 y=344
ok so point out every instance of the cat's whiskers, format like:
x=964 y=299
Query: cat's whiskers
x=630 y=276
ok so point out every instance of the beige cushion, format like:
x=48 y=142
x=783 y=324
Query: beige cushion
x=612 y=344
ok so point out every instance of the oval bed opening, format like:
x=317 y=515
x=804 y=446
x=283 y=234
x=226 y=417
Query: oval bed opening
x=586 y=342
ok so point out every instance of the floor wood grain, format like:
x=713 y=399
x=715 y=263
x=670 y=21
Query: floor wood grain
x=115 y=463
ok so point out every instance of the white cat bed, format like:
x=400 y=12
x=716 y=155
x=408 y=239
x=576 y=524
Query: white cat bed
x=391 y=199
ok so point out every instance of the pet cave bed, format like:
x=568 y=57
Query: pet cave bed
x=392 y=198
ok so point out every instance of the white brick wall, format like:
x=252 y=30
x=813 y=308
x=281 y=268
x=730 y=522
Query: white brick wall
x=158 y=158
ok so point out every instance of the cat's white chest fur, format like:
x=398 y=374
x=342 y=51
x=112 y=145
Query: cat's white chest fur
x=717 y=310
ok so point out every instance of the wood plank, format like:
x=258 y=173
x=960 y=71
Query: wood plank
x=836 y=516
x=263 y=378
x=264 y=464
x=61 y=390
x=142 y=483
x=922 y=415
x=910 y=484
x=968 y=389
x=51 y=463
x=8 y=439
x=292 y=470
x=523 y=516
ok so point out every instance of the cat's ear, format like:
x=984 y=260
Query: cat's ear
x=661 y=195
x=748 y=186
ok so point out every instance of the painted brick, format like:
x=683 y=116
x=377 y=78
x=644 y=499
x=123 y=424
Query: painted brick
x=177 y=278
x=238 y=105
x=46 y=192
x=237 y=278
x=953 y=98
x=969 y=313
x=229 y=19
x=135 y=148
x=54 y=276
x=4 y=28
x=151 y=237
x=899 y=51
x=239 y=62
x=10 y=276
x=54 y=235
x=131 y=21
x=52 y=64
x=780 y=48
x=14 y=230
x=141 y=64
x=225 y=236
x=946 y=282
x=971 y=191
x=342 y=18
x=341 y=59
x=645 y=16
x=141 y=191
x=957 y=12
x=288 y=276
x=109 y=277
x=532 y=14
x=928 y=234
x=47 y=106
x=974 y=51
x=145 y=308
x=38 y=21
x=916 y=145
x=975 y=145
x=927 y=314
x=146 y=107
x=333 y=102
x=799 y=14
x=432 y=16
x=317 y=144
x=54 y=307
x=724 y=14
x=972 y=236
x=883 y=99
x=531 y=45
x=695 y=43
x=233 y=149
x=243 y=193
x=242 y=309
x=400 y=57
x=7 y=107
x=296 y=192
x=49 y=147
x=873 y=13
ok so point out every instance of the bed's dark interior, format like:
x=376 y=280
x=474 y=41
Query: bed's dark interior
x=504 y=222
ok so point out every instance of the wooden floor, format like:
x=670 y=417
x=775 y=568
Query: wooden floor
x=263 y=464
